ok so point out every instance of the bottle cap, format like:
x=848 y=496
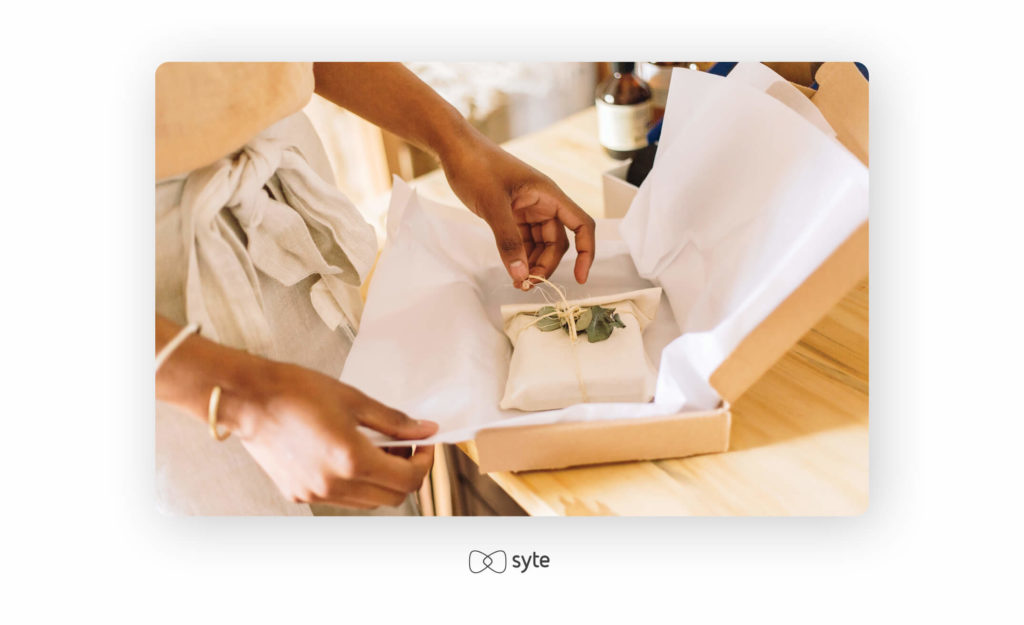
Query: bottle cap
x=623 y=68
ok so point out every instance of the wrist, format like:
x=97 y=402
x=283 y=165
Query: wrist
x=188 y=378
x=455 y=139
x=239 y=408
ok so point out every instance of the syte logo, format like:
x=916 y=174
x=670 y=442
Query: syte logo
x=497 y=561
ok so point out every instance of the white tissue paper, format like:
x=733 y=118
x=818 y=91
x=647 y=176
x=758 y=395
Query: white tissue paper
x=745 y=200
x=431 y=342
x=762 y=78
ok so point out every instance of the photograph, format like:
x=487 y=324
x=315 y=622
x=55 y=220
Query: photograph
x=511 y=289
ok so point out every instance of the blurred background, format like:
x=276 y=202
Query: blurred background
x=502 y=100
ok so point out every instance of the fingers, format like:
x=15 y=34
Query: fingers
x=583 y=227
x=375 y=466
x=550 y=252
x=401 y=452
x=423 y=458
x=510 y=241
x=527 y=236
x=359 y=460
x=547 y=202
x=373 y=478
x=361 y=495
x=537 y=236
x=394 y=423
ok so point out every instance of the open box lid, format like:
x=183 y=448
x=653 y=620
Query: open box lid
x=842 y=97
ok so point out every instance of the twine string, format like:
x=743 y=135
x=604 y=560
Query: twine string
x=568 y=314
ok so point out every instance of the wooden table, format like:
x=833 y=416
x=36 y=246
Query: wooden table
x=799 y=437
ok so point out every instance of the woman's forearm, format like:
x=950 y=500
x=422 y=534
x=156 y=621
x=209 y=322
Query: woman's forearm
x=392 y=97
x=187 y=378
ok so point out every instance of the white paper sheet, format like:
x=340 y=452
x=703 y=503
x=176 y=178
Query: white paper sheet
x=762 y=78
x=745 y=200
x=431 y=342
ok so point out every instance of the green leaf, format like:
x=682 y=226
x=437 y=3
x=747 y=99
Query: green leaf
x=602 y=312
x=595 y=316
x=584 y=320
x=599 y=330
x=597 y=322
x=602 y=322
x=547 y=324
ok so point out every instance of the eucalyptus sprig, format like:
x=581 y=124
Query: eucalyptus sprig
x=595 y=321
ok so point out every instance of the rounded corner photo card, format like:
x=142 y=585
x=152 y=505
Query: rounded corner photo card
x=512 y=289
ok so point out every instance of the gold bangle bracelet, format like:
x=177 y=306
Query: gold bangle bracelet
x=212 y=415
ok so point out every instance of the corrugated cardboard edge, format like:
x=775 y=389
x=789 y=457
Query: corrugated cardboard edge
x=842 y=97
x=561 y=445
x=811 y=301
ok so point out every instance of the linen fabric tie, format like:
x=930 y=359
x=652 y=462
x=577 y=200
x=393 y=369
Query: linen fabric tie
x=295 y=225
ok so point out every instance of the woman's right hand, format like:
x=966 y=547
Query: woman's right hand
x=300 y=426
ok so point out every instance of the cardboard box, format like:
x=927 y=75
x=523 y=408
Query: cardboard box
x=618 y=194
x=842 y=97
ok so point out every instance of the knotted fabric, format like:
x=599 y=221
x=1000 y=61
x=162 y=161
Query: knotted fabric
x=293 y=224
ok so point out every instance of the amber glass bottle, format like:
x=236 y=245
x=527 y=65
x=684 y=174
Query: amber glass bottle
x=623 y=104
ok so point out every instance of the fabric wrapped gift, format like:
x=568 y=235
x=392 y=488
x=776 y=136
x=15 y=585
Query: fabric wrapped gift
x=549 y=370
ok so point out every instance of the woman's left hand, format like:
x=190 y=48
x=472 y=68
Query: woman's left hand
x=526 y=210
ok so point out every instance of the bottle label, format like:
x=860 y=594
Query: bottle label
x=623 y=127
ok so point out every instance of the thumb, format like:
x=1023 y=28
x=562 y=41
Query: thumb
x=395 y=424
x=509 y=242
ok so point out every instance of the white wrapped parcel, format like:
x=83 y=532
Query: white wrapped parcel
x=549 y=370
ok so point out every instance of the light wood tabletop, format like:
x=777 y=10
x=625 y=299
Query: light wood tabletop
x=799 y=436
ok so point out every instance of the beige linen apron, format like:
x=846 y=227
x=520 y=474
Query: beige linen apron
x=194 y=473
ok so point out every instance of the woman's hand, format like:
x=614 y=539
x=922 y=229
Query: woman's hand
x=298 y=424
x=526 y=210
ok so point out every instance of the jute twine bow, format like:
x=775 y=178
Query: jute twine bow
x=568 y=314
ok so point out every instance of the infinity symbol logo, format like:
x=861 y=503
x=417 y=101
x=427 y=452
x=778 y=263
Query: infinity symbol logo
x=480 y=561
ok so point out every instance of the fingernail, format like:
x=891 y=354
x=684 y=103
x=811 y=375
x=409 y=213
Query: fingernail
x=518 y=270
